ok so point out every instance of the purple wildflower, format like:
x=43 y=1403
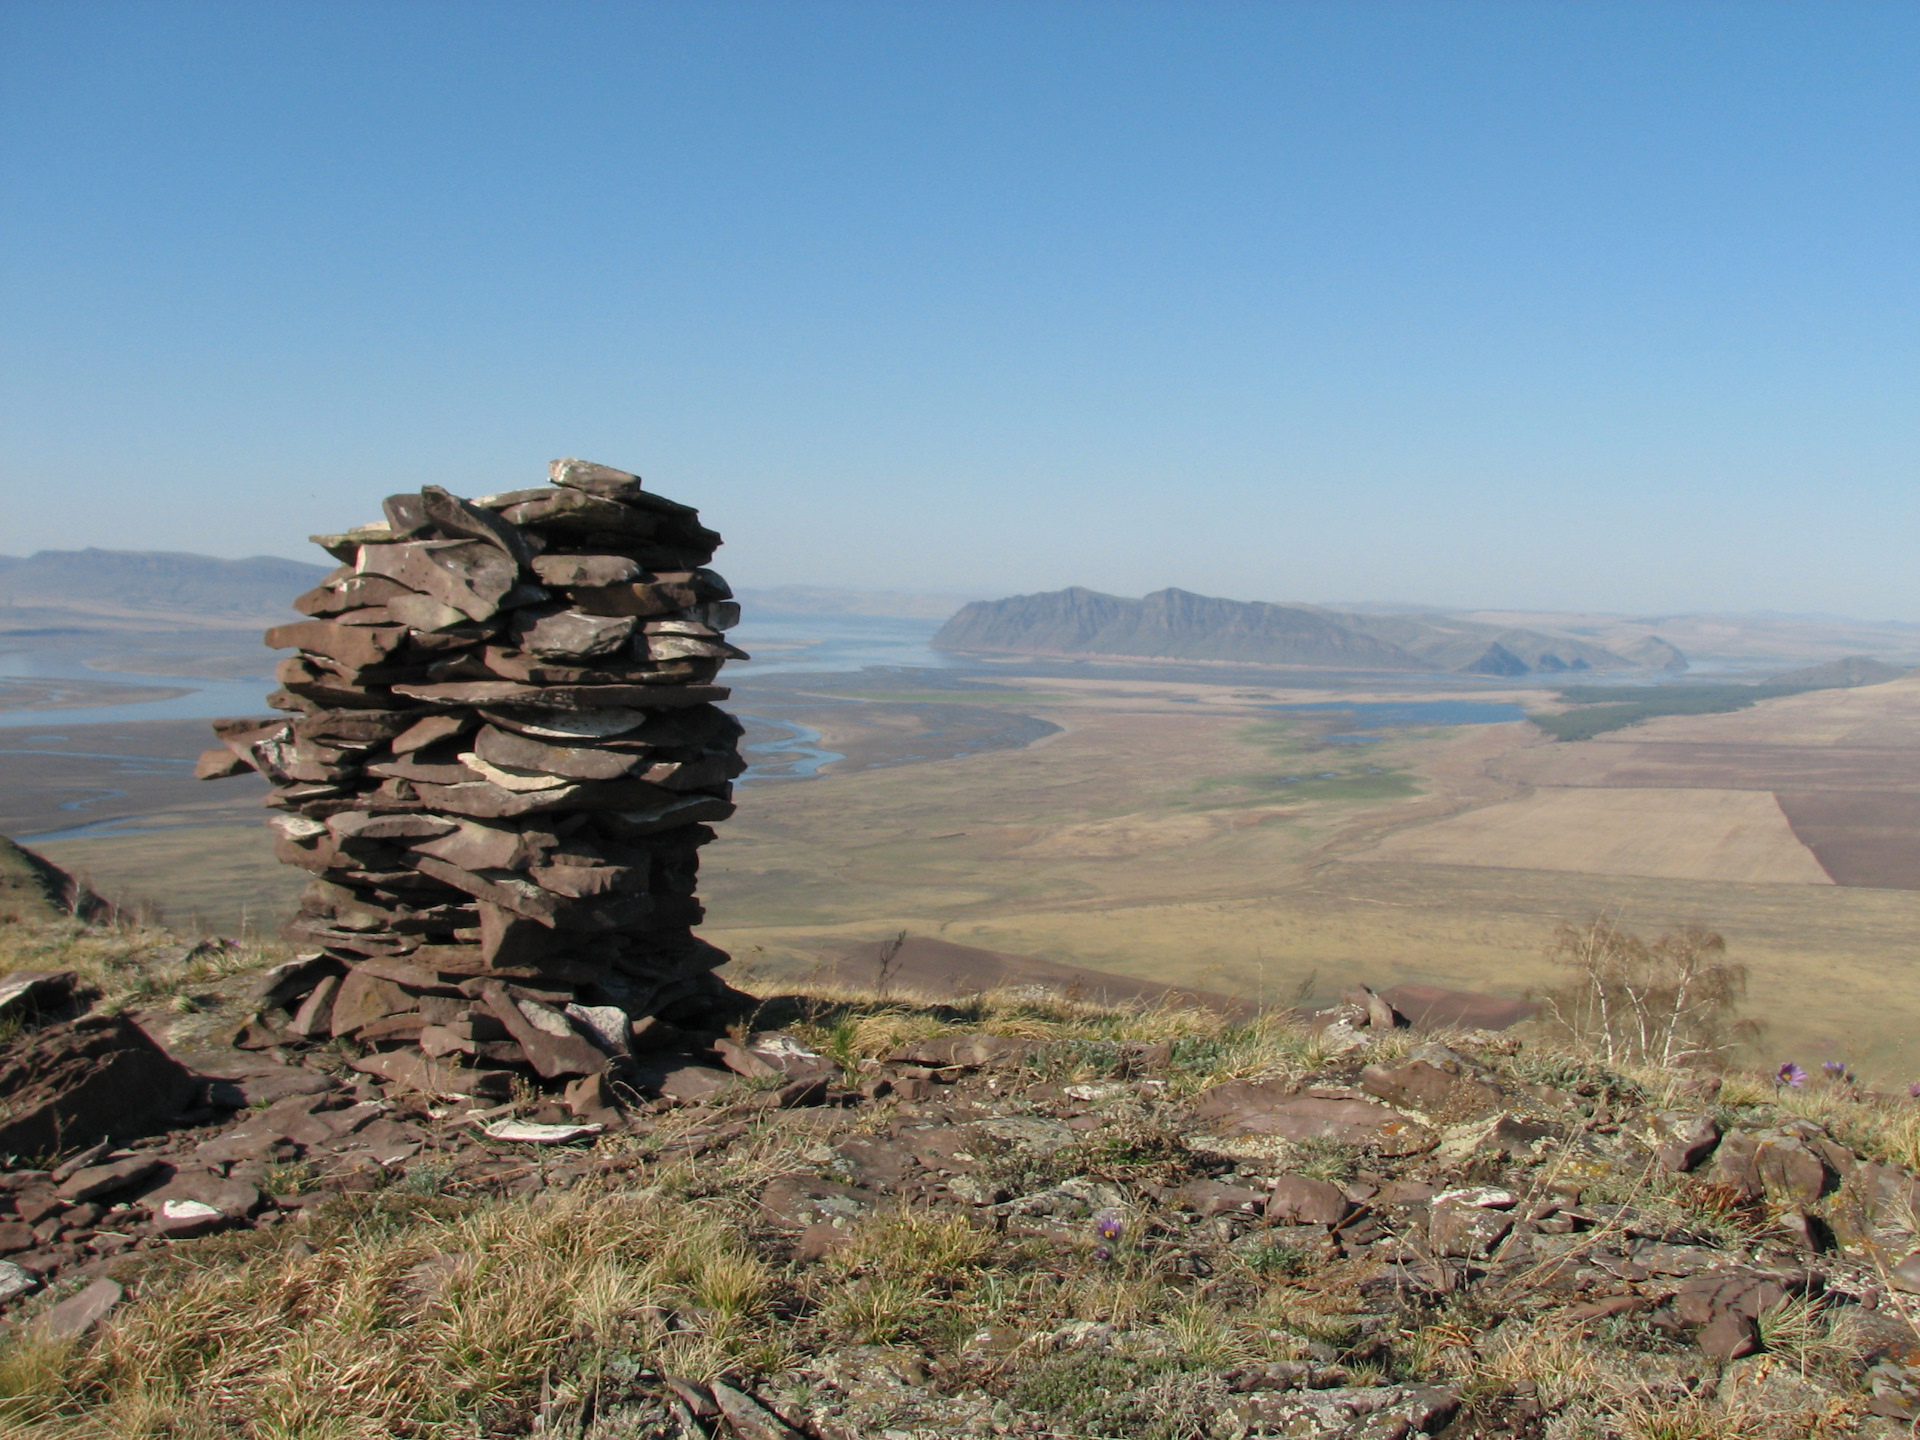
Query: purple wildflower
x=1790 y=1074
x=1835 y=1069
x=1107 y=1225
x=1101 y=1252
x=1914 y=1089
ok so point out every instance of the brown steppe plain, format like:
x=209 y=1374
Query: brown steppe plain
x=1182 y=834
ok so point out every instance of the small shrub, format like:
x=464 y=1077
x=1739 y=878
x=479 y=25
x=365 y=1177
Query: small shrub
x=1664 y=1002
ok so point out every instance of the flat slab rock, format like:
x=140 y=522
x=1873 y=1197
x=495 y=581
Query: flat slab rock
x=681 y=1078
x=970 y=1051
x=1272 y=1107
x=35 y=992
x=96 y=1078
x=77 y=1314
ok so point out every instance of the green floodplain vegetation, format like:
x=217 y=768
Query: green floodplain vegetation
x=1599 y=708
x=1316 y=769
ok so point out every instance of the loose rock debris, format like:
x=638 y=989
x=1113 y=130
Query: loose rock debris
x=1531 y=1208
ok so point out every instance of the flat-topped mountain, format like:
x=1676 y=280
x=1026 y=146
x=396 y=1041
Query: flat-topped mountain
x=1178 y=625
x=1168 y=624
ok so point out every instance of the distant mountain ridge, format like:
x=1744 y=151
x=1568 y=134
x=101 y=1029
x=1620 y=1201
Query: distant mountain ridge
x=143 y=589
x=1179 y=625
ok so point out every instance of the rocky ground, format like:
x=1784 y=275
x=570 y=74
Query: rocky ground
x=874 y=1216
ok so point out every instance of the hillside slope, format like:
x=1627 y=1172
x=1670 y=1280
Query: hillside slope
x=1015 y=1213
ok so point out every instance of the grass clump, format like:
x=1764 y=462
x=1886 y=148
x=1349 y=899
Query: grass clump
x=929 y=1248
x=414 y=1317
x=1156 y=1397
x=897 y=1276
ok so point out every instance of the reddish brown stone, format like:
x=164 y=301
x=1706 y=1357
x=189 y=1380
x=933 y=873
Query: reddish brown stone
x=1793 y=1169
x=683 y=1079
x=1429 y=1088
x=602 y=480
x=218 y=765
x=552 y=1045
x=496 y=887
x=77 y=1314
x=108 y=1178
x=590 y=1098
x=563 y=697
x=315 y=1015
x=364 y=998
x=356 y=645
x=431 y=730
x=427 y=619
x=36 y=995
x=1297 y=1200
x=640 y=598
x=1728 y=1336
x=453 y=516
x=435 y=1077
x=1269 y=1108
x=567 y=633
x=802 y=1200
x=1212 y=1197
x=971 y=1051
x=578 y=762
x=349 y=592
x=1736 y=1164
x=589 y=570
x=469 y=575
x=1682 y=1139
x=573 y=512
x=97 y=1077
x=474 y=846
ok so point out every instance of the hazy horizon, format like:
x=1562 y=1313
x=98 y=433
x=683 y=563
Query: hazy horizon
x=960 y=598
x=1604 y=308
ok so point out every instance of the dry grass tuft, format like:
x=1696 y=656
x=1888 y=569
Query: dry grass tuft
x=1661 y=1414
x=418 y=1319
x=113 y=959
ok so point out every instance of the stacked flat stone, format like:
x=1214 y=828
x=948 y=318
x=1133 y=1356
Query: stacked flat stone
x=500 y=756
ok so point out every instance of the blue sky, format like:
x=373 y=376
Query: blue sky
x=1558 y=305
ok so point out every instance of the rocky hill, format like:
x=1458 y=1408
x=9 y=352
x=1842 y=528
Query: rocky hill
x=1168 y=625
x=863 y=1215
x=1178 y=625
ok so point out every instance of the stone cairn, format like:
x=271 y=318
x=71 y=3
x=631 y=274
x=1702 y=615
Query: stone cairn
x=499 y=758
